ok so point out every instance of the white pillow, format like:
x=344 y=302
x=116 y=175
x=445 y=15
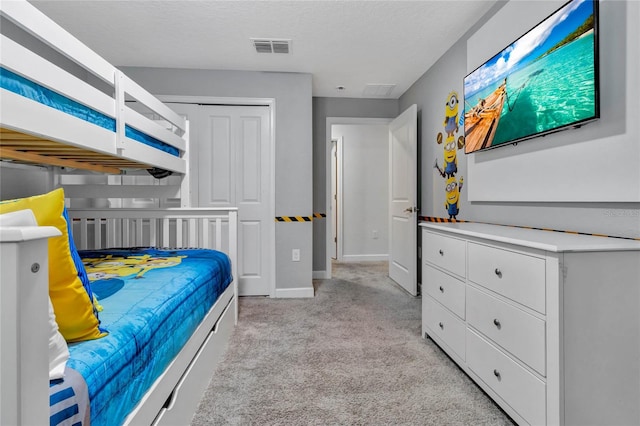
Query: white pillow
x=58 y=350
x=18 y=218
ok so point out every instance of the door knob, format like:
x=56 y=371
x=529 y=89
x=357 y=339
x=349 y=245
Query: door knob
x=411 y=209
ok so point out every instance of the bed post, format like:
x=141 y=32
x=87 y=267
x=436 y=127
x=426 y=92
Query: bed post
x=185 y=184
x=233 y=255
x=24 y=329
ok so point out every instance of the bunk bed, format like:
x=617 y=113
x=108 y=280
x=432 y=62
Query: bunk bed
x=64 y=106
x=52 y=116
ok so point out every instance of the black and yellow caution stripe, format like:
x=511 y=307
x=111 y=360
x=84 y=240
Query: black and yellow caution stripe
x=445 y=220
x=300 y=218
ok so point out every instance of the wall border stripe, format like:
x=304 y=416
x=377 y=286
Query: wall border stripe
x=445 y=220
x=300 y=218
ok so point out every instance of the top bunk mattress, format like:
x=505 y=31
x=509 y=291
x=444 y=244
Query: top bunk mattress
x=19 y=85
x=152 y=302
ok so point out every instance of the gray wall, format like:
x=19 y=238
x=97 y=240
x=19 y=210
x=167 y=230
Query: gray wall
x=293 y=162
x=322 y=109
x=611 y=218
x=22 y=181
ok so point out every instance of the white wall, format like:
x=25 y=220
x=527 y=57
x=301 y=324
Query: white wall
x=591 y=215
x=364 y=183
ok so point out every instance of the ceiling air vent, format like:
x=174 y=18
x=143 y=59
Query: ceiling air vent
x=263 y=45
x=378 y=90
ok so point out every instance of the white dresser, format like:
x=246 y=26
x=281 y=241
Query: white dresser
x=546 y=323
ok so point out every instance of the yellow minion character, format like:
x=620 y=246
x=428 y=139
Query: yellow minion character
x=453 y=189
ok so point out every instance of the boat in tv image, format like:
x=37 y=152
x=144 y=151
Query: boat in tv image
x=545 y=81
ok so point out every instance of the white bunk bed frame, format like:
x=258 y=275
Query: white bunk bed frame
x=38 y=134
x=174 y=396
x=33 y=133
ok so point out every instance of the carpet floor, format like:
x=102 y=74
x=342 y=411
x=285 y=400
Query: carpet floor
x=352 y=355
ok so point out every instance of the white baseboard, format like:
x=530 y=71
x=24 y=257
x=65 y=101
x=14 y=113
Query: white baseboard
x=364 y=257
x=304 y=292
x=321 y=275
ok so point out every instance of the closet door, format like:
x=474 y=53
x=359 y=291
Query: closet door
x=234 y=169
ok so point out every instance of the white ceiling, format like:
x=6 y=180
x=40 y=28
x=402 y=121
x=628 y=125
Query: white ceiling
x=341 y=43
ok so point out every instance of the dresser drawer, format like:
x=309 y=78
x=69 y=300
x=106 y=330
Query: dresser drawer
x=524 y=392
x=518 y=332
x=438 y=321
x=446 y=252
x=444 y=288
x=514 y=275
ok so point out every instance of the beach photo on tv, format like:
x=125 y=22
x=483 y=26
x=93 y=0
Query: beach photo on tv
x=544 y=81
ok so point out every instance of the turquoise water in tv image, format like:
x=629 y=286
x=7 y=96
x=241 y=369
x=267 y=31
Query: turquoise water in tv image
x=551 y=92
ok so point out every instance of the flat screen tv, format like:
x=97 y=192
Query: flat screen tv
x=545 y=81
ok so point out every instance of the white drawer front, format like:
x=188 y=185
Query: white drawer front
x=524 y=392
x=445 y=252
x=516 y=331
x=445 y=289
x=516 y=276
x=438 y=321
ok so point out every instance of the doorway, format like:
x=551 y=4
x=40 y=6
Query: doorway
x=400 y=194
x=356 y=227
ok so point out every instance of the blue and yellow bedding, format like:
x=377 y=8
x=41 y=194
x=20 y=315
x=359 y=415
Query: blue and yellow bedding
x=17 y=84
x=151 y=301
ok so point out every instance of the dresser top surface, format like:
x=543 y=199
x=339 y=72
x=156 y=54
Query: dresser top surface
x=534 y=238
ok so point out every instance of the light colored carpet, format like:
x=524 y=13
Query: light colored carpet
x=353 y=355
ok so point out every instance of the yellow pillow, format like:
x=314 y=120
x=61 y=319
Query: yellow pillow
x=72 y=302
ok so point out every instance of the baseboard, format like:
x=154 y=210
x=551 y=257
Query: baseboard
x=320 y=275
x=364 y=257
x=289 y=293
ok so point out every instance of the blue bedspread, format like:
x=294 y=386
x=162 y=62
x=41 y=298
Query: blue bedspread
x=152 y=302
x=27 y=88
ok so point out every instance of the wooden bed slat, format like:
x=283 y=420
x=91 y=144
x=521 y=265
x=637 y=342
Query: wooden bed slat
x=32 y=149
x=54 y=161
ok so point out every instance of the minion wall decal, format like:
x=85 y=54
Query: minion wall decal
x=451 y=145
x=452 y=200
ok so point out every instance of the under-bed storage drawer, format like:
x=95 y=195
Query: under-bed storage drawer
x=190 y=388
x=519 y=388
x=520 y=333
x=517 y=276
x=445 y=289
x=445 y=252
x=438 y=321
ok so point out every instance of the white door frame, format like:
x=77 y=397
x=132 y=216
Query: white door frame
x=335 y=203
x=271 y=103
x=329 y=222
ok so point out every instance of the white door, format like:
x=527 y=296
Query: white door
x=234 y=169
x=403 y=181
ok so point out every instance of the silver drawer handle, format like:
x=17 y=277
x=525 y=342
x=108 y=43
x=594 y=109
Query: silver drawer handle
x=441 y=325
x=441 y=289
x=497 y=374
x=498 y=273
x=496 y=322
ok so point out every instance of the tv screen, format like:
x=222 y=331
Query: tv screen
x=545 y=81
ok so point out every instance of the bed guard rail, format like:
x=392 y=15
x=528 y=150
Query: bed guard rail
x=214 y=228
